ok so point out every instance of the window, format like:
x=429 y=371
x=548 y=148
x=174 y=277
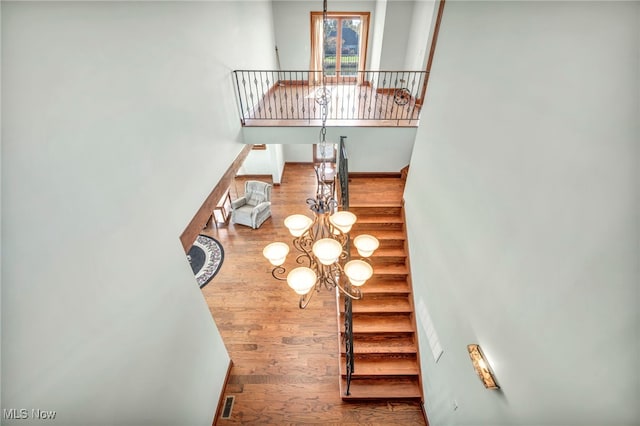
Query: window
x=343 y=52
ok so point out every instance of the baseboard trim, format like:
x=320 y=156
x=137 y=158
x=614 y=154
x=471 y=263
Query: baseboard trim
x=370 y=175
x=222 y=395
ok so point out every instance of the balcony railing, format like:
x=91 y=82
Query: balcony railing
x=392 y=98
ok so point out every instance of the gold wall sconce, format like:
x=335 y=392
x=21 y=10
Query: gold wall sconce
x=482 y=367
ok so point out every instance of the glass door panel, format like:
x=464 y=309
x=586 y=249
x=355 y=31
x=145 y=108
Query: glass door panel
x=350 y=47
x=330 y=47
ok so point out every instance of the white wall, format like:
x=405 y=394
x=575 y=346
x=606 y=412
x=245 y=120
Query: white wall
x=397 y=28
x=277 y=159
x=376 y=32
x=522 y=209
x=119 y=118
x=1 y=184
x=258 y=162
x=421 y=30
x=371 y=149
x=269 y=161
x=298 y=153
x=292 y=27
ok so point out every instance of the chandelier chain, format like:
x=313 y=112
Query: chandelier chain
x=325 y=96
x=323 y=243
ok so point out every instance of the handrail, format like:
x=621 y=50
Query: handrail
x=343 y=180
x=290 y=95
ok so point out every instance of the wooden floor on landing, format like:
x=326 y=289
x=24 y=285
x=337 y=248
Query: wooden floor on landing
x=286 y=368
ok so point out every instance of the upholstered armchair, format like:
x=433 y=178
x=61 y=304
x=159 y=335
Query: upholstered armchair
x=254 y=207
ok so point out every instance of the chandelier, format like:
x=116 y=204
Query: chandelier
x=323 y=246
x=323 y=242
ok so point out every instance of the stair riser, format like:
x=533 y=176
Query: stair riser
x=363 y=347
x=390 y=359
x=372 y=345
x=408 y=373
x=387 y=277
x=376 y=211
x=384 y=287
x=387 y=308
x=377 y=292
x=406 y=388
x=390 y=244
x=370 y=228
x=381 y=258
x=388 y=260
x=383 y=303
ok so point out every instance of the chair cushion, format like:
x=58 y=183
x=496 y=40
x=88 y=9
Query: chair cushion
x=254 y=198
x=243 y=215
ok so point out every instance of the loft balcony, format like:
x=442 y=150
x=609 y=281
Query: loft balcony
x=357 y=98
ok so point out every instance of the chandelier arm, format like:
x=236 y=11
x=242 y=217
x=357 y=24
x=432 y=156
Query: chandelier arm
x=342 y=239
x=348 y=290
x=304 y=258
x=331 y=275
x=306 y=298
x=279 y=270
x=304 y=243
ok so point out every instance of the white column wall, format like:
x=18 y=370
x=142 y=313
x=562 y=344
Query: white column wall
x=397 y=29
x=377 y=32
x=422 y=24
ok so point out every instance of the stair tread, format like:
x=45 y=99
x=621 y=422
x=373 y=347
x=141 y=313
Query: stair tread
x=383 y=251
x=374 y=286
x=379 y=366
x=390 y=269
x=399 y=388
x=365 y=218
x=375 y=204
x=361 y=348
x=381 y=304
x=380 y=323
x=389 y=234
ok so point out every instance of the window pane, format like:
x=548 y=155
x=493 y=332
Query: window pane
x=350 y=49
x=331 y=31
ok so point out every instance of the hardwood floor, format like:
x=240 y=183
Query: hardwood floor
x=286 y=364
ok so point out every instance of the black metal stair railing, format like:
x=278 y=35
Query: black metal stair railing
x=343 y=180
x=362 y=95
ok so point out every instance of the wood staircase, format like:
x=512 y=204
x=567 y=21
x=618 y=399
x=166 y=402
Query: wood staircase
x=385 y=345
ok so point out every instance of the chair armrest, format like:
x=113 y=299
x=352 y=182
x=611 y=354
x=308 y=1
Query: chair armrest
x=260 y=208
x=238 y=203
